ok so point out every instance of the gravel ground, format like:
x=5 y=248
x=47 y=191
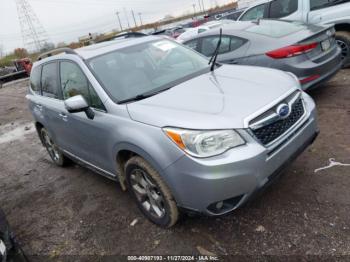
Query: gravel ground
x=74 y=213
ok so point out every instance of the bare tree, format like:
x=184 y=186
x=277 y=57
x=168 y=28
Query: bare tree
x=20 y=52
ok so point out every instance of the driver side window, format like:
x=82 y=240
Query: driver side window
x=74 y=82
x=254 y=13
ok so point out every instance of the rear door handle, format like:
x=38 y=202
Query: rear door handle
x=63 y=116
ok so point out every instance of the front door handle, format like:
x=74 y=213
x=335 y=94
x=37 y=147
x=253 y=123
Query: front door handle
x=63 y=116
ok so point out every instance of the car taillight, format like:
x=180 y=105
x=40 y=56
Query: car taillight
x=290 y=51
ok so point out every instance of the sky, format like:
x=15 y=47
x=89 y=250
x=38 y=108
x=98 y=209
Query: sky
x=66 y=20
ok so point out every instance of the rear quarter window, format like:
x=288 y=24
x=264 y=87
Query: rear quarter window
x=275 y=29
x=193 y=44
x=35 y=76
x=256 y=12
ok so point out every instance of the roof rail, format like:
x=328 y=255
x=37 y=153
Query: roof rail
x=57 y=51
x=129 y=35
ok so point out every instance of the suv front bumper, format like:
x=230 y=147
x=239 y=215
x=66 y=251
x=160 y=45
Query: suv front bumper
x=231 y=179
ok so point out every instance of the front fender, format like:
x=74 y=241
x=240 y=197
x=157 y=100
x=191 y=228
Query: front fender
x=155 y=148
x=139 y=151
x=149 y=142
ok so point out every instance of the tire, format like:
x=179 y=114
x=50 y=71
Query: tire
x=343 y=40
x=150 y=192
x=54 y=152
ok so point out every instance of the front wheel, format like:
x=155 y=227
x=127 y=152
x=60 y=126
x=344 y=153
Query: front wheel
x=152 y=195
x=55 y=153
x=343 y=41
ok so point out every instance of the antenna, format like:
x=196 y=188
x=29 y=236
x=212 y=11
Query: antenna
x=33 y=33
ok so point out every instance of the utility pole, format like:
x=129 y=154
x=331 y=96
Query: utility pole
x=203 y=5
x=133 y=16
x=120 y=24
x=140 y=19
x=200 y=6
x=127 y=18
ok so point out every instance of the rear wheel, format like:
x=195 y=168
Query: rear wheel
x=152 y=195
x=55 y=153
x=343 y=41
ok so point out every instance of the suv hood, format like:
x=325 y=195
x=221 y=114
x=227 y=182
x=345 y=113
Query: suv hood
x=215 y=100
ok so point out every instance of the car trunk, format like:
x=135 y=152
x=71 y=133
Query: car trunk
x=325 y=44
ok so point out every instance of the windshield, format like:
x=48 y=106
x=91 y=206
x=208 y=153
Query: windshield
x=146 y=68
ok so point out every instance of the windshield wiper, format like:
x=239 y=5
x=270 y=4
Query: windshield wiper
x=212 y=60
x=141 y=96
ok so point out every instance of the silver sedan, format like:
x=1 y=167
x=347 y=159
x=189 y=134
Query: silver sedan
x=308 y=51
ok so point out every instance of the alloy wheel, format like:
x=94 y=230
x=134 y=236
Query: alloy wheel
x=51 y=147
x=344 y=49
x=147 y=193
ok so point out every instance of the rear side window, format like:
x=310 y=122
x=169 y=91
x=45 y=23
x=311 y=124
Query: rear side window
x=35 y=80
x=228 y=44
x=49 y=81
x=282 y=8
x=74 y=82
x=233 y=16
x=193 y=44
x=275 y=29
x=254 y=13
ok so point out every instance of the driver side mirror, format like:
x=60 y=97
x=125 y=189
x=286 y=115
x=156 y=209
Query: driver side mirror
x=78 y=104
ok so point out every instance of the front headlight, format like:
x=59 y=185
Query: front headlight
x=204 y=143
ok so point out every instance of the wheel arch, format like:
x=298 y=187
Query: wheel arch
x=123 y=152
x=342 y=27
x=38 y=127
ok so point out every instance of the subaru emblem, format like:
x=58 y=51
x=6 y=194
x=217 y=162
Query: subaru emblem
x=283 y=111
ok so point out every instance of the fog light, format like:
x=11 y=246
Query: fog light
x=219 y=205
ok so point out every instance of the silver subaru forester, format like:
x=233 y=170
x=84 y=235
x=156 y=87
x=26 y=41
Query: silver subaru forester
x=179 y=134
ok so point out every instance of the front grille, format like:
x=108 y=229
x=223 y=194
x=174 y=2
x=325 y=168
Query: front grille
x=269 y=133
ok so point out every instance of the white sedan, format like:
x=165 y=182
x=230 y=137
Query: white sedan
x=191 y=32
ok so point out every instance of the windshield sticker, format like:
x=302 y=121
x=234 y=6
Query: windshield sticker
x=164 y=45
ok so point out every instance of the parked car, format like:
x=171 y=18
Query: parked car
x=171 y=32
x=232 y=15
x=22 y=68
x=191 y=32
x=10 y=250
x=323 y=12
x=308 y=51
x=179 y=133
